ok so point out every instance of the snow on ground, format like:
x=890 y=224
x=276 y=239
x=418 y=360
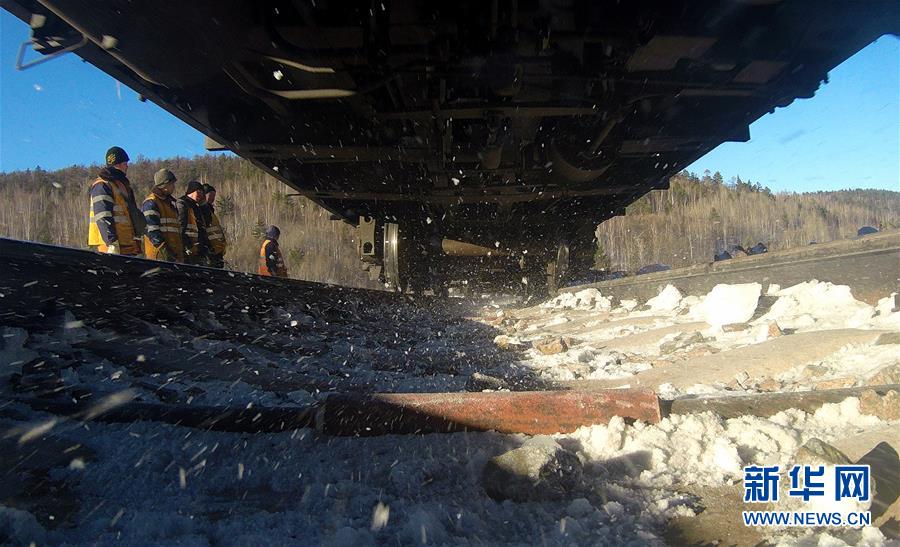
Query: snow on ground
x=587 y=299
x=155 y=483
x=192 y=487
x=614 y=341
x=818 y=306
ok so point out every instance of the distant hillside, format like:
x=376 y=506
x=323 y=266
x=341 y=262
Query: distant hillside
x=680 y=226
x=699 y=215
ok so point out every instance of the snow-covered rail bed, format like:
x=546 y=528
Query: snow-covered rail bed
x=868 y=265
x=678 y=481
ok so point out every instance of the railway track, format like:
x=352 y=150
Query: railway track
x=868 y=265
x=203 y=390
x=43 y=283
x=40 y=280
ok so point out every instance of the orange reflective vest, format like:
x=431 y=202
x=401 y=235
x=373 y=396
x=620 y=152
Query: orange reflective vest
x=269 y=253
x=216 y=235
x=190 y=234
x=168 y=226
x=121 y=221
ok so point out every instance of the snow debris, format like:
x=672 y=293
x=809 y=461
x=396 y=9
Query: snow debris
x=37 y=430
x=704 y=449
x=814 y=305
x=540 y=469
x=380 y=516
x=585 y=362
x=587 y=299
x=727 y=304
x=887 y=315
x=302 y=487
x=667 y=300
x=855 y=361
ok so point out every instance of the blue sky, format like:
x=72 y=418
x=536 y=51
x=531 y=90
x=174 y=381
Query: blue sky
x=67 y=112
x=847 y=136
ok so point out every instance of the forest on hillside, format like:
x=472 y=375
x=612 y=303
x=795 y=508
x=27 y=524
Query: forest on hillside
x=686 y=224
x=701 y=215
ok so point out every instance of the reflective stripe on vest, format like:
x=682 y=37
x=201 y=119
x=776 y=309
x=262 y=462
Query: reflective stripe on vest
x=216 y=235
x=192 y=232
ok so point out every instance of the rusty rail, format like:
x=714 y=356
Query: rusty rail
x=346 y=414
x=532 y=413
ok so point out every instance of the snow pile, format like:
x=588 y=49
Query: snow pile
x=727 y=304
x=584 y=362
x=704 y=449
x=814 y=305
x=854 y=361
x=587 y=299
x=668 y=299
x=886 y=317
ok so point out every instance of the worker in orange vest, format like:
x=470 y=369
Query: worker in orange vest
x=116 y=224
x=271 y=262
x=163 y=238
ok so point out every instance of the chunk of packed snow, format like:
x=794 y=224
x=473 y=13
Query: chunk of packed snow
x=585 y=362
x=886 y=317
x=587 y=299
x=818 y=305
x=704 y=449
x=727 y=304
x=667 y=300
x=854 y=361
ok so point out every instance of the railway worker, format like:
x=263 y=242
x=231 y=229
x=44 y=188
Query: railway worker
x=162 y=240
x=192 y=227
x=217 y=244
x=116 y=224
x=271 y=261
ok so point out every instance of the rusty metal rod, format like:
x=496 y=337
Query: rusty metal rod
x=529 y=412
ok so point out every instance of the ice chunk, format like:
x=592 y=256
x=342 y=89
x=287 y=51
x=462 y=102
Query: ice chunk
x=727 y=304
x=667 y=300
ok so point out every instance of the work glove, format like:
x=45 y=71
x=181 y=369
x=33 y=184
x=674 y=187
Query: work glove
x=191 y=258
x=112 y=249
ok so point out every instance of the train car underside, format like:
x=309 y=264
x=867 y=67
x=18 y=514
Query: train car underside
x=465 y=136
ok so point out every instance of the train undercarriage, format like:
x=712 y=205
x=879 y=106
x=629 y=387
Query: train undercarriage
x=508 y=128
x=421 y=259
